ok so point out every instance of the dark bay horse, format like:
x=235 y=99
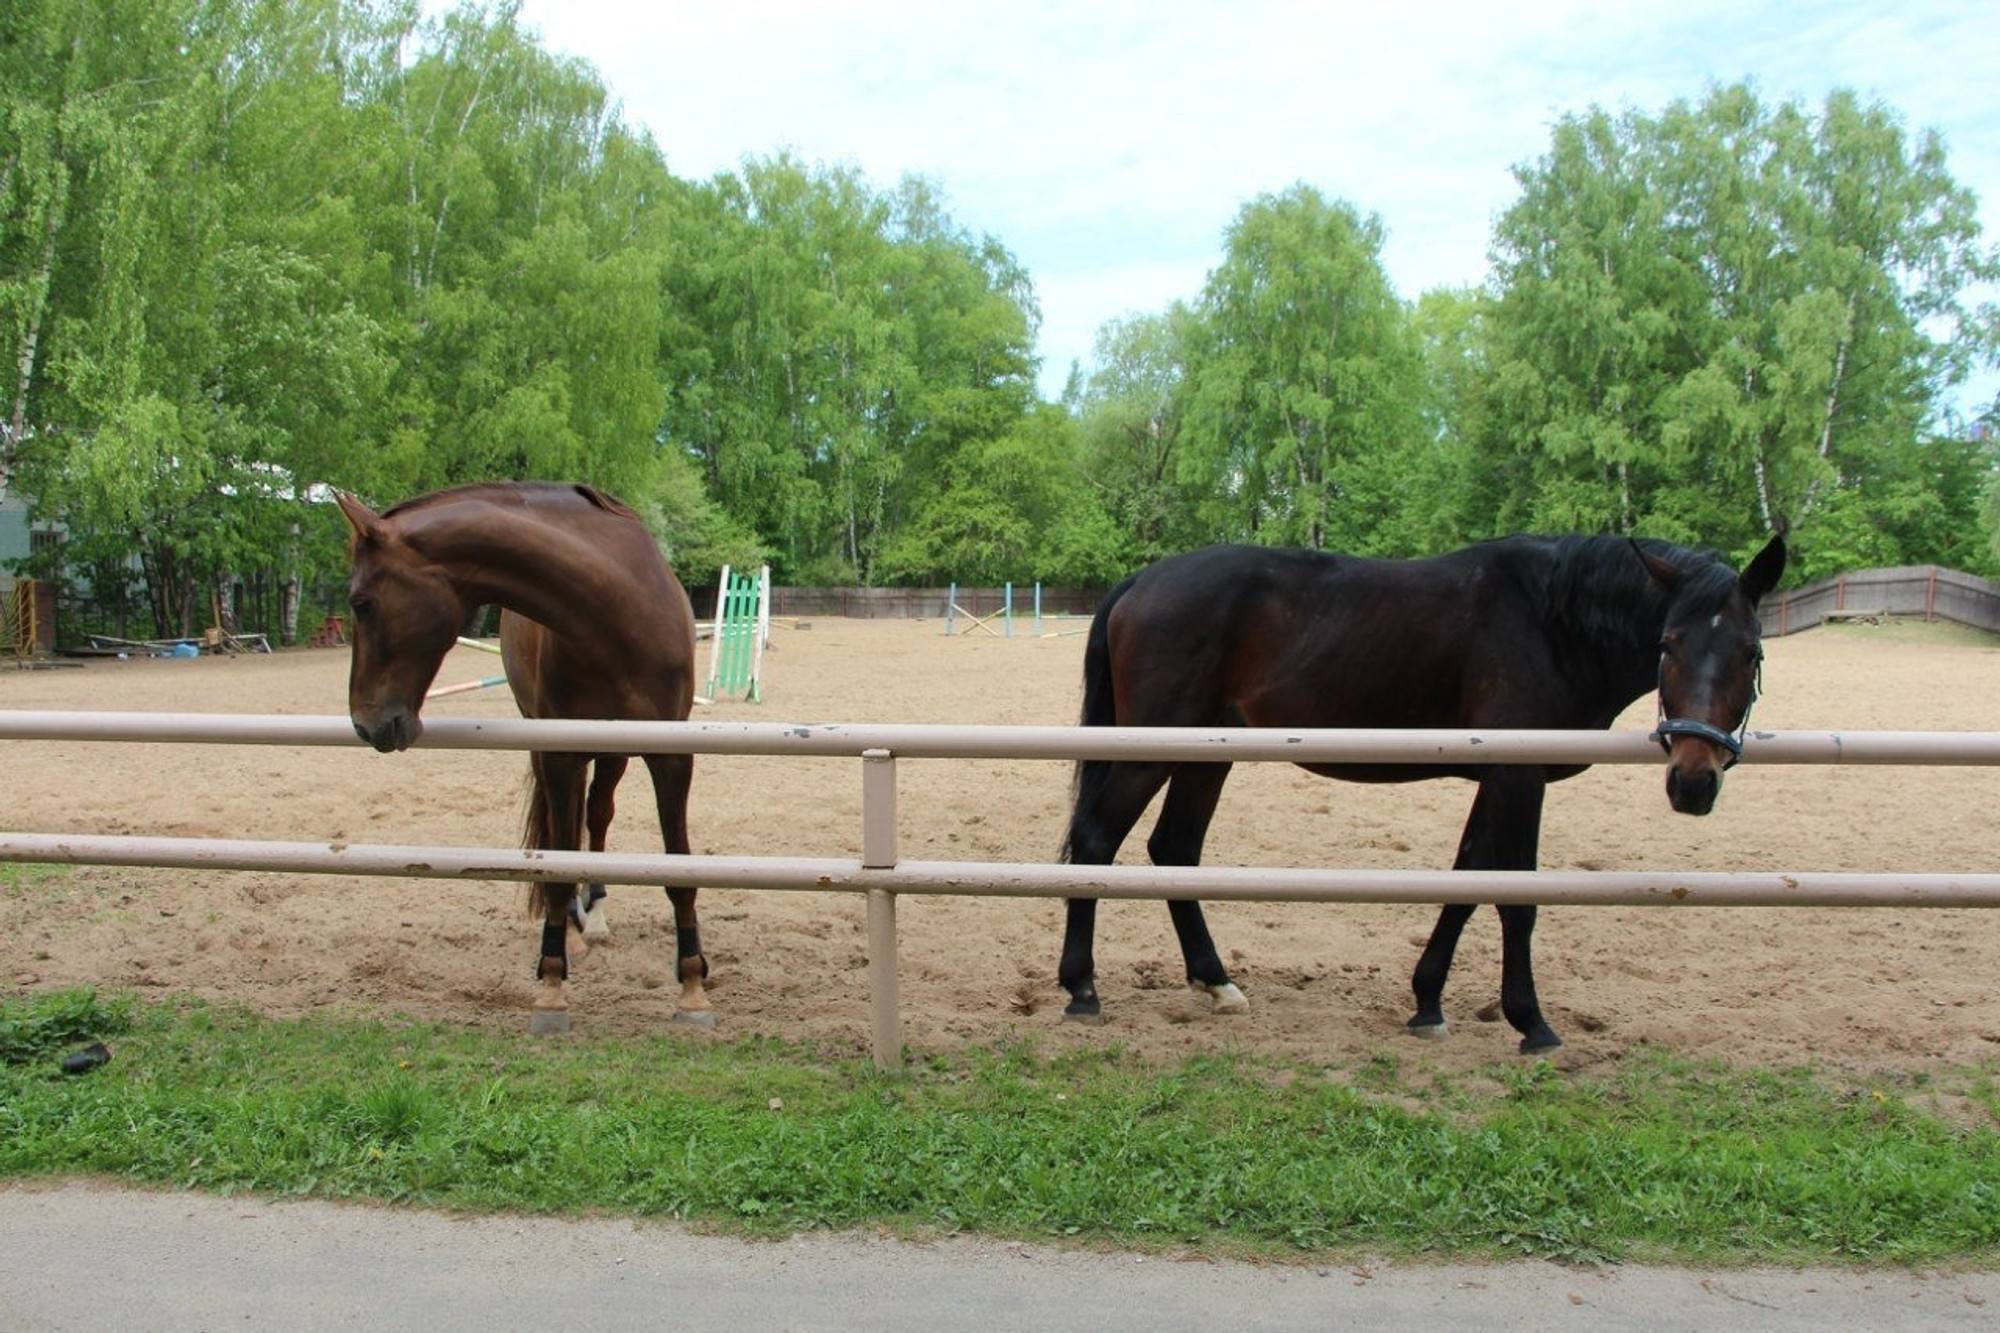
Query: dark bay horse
x=593 y=624
x=1517 y=632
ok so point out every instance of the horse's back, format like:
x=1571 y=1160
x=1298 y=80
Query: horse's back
x=1296 y=638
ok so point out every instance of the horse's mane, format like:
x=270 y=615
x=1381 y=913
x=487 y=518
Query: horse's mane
x=530 y=493
x=1592 y=584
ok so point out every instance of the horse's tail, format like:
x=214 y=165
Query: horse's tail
x=1100 y=709
x=534 y=835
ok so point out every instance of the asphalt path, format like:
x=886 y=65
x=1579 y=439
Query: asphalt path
x=87 y=1256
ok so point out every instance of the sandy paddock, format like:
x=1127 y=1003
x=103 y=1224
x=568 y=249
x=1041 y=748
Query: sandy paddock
x=1863 y=989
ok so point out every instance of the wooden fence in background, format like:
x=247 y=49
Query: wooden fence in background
x=1929 y=591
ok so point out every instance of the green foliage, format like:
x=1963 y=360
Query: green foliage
x=33 y=1028
x=849 y=354
x=250 y=251
x=1657 y=1159
x=1303 y=382
x=1729 y=317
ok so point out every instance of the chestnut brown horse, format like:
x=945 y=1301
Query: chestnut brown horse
x=1518 y=632
x=593 y=624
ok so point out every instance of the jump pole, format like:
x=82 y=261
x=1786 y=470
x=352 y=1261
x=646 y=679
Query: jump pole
x=483 y=683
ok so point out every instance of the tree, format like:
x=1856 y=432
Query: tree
x=1303 y=384
x=839 y=348
x=1014 y=511
x=1730 y=316
x=1129 y=415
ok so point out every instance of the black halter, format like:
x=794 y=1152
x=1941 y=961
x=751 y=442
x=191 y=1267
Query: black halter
x=1670 y=727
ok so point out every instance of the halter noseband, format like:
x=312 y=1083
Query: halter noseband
x=1670 y=727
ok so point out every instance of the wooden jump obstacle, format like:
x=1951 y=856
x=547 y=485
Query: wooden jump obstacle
x=736 y=640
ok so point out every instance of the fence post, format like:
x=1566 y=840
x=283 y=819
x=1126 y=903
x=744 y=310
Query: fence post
x=878 y=852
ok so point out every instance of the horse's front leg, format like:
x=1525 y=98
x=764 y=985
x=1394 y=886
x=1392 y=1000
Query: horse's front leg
x=1434 y=966
x=690 y=964
x=1503 y=832
x=1518 y=1000
x=673 y=775
x=1077 y=972
x=555 y=824
x=548 y=1013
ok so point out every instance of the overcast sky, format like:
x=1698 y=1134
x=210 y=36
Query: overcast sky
x=1108 y=145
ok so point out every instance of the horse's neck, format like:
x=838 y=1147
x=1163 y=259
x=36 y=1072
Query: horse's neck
x=551 y=573
x=1625 y=646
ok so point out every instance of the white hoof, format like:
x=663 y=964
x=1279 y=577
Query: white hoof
x=1429 y=1031
x=700 y=1018
x=548 y=1022
x=596 y=926
x=1228 y=999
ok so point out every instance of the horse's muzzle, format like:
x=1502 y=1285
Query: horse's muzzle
x=396 y=730
x=1692 y=790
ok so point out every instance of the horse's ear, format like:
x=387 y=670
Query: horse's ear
x=359 y=516
x=1765 y=570
x=1669 y=576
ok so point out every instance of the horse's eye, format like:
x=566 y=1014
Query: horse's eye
x=362 y=606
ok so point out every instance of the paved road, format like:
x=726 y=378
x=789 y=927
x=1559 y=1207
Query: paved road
x=79 y=1256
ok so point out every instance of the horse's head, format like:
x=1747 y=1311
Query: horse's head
x=1711 y=663
x=406 y=618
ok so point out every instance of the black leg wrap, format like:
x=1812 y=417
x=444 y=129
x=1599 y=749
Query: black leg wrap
x=687 y=943
x=554 y=950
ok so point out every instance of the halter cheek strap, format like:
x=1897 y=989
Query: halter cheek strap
x=1670 y=727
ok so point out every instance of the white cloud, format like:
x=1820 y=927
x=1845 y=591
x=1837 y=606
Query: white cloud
x=1108 y=145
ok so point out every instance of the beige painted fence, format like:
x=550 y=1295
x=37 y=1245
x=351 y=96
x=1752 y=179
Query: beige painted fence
x=882 y=875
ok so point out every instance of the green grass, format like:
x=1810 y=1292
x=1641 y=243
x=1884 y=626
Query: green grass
x=1230 y=1154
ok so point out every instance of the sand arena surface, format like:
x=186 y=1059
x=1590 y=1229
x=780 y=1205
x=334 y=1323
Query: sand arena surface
x=1866 y=989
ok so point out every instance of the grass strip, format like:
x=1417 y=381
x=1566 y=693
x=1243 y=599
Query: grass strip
x=1664 y=1160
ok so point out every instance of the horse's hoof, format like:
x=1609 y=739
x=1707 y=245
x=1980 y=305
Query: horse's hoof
x=93 y=1056
x=1228 y=999
x=1428 y=1031
x=548 y=1022
x=1541 y=1041
x=1088 y=1012
x=697 y=1018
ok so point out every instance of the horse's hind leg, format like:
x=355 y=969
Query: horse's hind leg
x=1177 y=841
x=1110 y=799
x=673 y=774
x=597 y=815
